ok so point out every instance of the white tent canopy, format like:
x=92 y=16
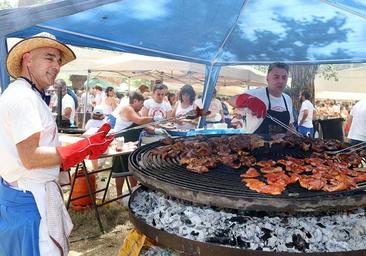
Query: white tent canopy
x=350 y=86
x=175 y=71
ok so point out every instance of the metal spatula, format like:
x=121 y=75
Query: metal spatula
x=349 y=149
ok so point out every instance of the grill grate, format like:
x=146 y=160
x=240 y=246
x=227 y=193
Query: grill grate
x=223 y=182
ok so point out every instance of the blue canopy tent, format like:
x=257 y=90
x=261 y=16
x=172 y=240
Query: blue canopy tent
x=212 y=32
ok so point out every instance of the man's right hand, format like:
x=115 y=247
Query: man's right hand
x=253 y=103
x=92 y=146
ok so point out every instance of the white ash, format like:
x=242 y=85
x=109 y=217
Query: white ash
x=330 y=232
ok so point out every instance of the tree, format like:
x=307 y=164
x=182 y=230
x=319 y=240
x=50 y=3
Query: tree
x=303 y=77
x=5 y=5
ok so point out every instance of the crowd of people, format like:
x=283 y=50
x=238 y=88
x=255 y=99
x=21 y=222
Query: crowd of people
x=177 y=103
x=158 y=101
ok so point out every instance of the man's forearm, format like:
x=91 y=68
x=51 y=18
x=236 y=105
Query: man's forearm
x=303 y=117
x=302 y=121
x=42 y=157
x=34 y=156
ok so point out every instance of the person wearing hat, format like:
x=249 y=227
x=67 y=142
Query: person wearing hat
x=97 y=119
x=33 y=218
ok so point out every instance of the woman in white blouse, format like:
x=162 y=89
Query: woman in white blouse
x=186 y=97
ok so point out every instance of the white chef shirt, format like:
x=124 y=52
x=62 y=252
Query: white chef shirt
x=358 y=126
x=277 y=103
x=22 y=114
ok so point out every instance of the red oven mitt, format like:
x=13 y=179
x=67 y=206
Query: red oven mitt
x=92 y=146
x=253 y=103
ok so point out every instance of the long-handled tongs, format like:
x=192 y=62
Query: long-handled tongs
x=288 y=128
x=193 y=114
x=349 y=149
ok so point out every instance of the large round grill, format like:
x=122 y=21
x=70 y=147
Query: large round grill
x=222 y=186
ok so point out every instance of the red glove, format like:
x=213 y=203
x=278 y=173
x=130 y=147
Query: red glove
x=253 y=103
x=92 y=146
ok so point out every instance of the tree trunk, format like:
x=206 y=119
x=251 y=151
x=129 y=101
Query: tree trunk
x=303 y=77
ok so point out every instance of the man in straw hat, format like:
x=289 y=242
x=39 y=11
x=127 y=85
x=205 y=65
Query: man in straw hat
x=33 y=218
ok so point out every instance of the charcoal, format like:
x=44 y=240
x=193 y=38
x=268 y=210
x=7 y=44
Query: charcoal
x=289 y=245
x=222 y=232
x=243 y=244
x=185 y=219
x=335 y=231
x=299 y=242
x=239 y=219
x=194 y=233
x=320 y=225
x=218 y=240
x=267 y=234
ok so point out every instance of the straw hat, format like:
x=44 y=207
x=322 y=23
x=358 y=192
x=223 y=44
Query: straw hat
x=14 y=59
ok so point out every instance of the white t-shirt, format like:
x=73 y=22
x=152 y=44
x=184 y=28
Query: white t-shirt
x=306 y=105
x=93 y=123
x=86 y=101
x=277 y=103
x=22 y=114
x=68 y=102
x=358 y=126
x=181 y=112
x=157 y=109
x=98 y=98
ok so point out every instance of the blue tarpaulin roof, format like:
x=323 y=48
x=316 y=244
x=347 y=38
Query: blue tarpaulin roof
x=223 y=32
x=215 y=32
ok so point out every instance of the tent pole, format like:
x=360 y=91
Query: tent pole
x=129 y=86
x=86 y=98
x=4 y=77
x=211 y=76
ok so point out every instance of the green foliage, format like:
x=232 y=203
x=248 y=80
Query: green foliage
x=5 y=5
x=328 y=72
x=261 y=68
x=136 y=82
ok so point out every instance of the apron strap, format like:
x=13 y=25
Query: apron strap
x=269 y=101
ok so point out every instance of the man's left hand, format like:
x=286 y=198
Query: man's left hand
x=93 y=146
